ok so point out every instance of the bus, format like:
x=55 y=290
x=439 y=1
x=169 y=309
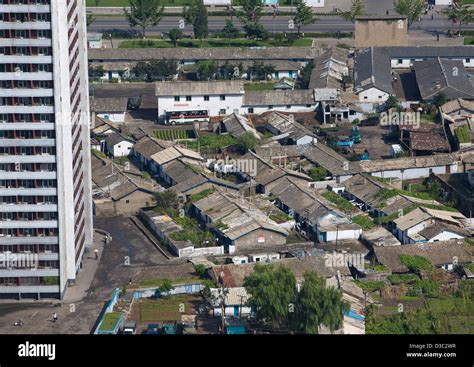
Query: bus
x=186 y=117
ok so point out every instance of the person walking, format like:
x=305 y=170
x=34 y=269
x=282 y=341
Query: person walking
x=96 y=252
x=55 y=317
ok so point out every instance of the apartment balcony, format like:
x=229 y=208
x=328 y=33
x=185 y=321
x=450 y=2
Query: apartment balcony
x=23 y=8
x=29 y=240
x=26 y=59
x=28 y=208
x=39 y=158
x=28 y=109
x=14 y=191
x=30 y=289
x=38 y=75
x=19 y=142
x=26 y=92
x=36 y=26
x=13 y=273
x=25 y=42
x=13 y=224
x=40 y=126
x=28 y=175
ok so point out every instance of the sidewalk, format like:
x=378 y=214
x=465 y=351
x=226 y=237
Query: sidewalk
x=85 y=276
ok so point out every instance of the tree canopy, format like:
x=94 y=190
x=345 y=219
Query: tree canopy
x=196 y=15
x=412 y=9
x=276 y=301
x=144 y=14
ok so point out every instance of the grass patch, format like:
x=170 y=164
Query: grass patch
x=252 y=87
x=166 y=309
x=364 y=221
x=462 y=134
x=341 y=203
x=212 y=142
x=110 y=320
x=213 y=43
x=171 y=134
x=158 y=282
x=280 y=217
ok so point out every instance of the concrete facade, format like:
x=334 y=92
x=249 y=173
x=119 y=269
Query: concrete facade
x=381 y=31
x=49 y=167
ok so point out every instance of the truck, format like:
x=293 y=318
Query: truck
x=129 y=327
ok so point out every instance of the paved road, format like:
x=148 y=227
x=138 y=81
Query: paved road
x=280 y=24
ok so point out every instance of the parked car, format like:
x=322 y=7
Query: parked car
x=152 y=329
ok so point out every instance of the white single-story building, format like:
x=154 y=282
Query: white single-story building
x=235 y=301
x=118 y=145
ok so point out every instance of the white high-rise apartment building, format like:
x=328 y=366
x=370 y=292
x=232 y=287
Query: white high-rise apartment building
x=45 y=177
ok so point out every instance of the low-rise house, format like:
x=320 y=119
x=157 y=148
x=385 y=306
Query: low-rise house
x=233 y=275
x=233 y=301
x=238 y=125
x=314 y=214
x=446 y=76
x=458 y=190
x=145 y=148
x=111 y=109
x=94 y=40
x=429 y=225
x=373 y=84
x=173 y=236
x=457 y=115
x=287 y=131
x=188 y=56
x=266 y=171
x=329 y=69
x=238 y=223
x=379 y=236
x=297 y=100
x=118 y=145
x=117 y=193
x=445 y=255
x=424 y=139
x=176 y=172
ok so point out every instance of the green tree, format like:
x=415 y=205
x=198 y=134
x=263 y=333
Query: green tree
x=166 y=286
x=247 y=141
x=200 y=270
x=303 y=16
x=357 y=8
x=392 y=102
x=207 y=69
x=318 y=173
x=272 y=290
x=166 y=200
x=230 y=31
x=196 y=15
x=250 y=14
x=156 y=69
x=260 y=71
x=440 y=99
x=175 y=35
x=255 y=30
x=251 y=11
x=318 y=305
x=144 y=14
x=412 y=9
x=303 y=80
x=459 y=13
